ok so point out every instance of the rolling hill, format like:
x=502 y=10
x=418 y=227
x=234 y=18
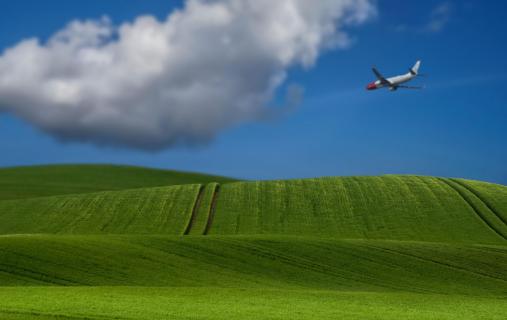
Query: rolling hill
x=155 y=245
x=387 y=207
x=253 y=262
x=40 y=181
x=408 y=208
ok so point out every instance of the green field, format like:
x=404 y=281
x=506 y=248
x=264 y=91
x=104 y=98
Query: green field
x=388 y=207
x=249 y=304
x=161 y=210
x=106 y=242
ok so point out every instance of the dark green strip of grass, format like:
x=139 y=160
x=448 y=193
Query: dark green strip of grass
x=253 y=262
x=204 y=210
x=43 y=181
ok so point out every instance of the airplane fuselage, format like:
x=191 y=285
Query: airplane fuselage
x=393 y=82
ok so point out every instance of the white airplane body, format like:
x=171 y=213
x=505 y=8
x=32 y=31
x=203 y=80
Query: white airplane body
x=396 y=82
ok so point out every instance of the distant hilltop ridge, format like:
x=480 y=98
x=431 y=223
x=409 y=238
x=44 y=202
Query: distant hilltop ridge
x=148 y=201
x=48 y=180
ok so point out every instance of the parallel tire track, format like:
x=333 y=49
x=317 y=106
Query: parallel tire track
x=480 y=197
x=474 y=207
x=195 y=210
x=441 y=263
x=212 y=209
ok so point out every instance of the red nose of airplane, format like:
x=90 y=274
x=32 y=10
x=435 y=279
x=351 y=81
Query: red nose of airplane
x=371 y=86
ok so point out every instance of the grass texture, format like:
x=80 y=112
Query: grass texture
x=253 y=262
x=162 y=210
x=85 y=303
x=109 y=242
x=388 y=207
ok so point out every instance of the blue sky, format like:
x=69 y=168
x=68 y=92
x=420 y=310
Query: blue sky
x=456 y=127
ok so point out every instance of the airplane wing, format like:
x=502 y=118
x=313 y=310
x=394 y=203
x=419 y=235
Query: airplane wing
x=380 y=77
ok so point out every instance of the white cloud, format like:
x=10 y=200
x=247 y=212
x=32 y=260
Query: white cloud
x=153 y=84
x=439 y=18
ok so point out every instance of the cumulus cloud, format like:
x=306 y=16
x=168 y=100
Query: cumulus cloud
x=151 y=84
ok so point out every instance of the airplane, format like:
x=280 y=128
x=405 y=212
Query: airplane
x=395 y=83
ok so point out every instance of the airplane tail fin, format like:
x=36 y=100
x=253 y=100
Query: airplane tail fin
x=415 y=69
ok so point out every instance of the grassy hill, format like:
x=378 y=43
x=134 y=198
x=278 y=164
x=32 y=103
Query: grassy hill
x=143 y=277
x=385 y=247
x=389 y=207
x=40 y=181
x=253 y=262
x=162 y=210
x=492 y=195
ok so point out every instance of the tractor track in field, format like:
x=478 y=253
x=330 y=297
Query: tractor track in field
x=437 y=262
x=195 y=210
x=477 y=211
x=480 y=197
x=212 y=209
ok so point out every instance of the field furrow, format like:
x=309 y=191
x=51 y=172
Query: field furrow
x=195 y=211
x=495 y=200
x=204 y=210
x=482 y=211
x=212 y=209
